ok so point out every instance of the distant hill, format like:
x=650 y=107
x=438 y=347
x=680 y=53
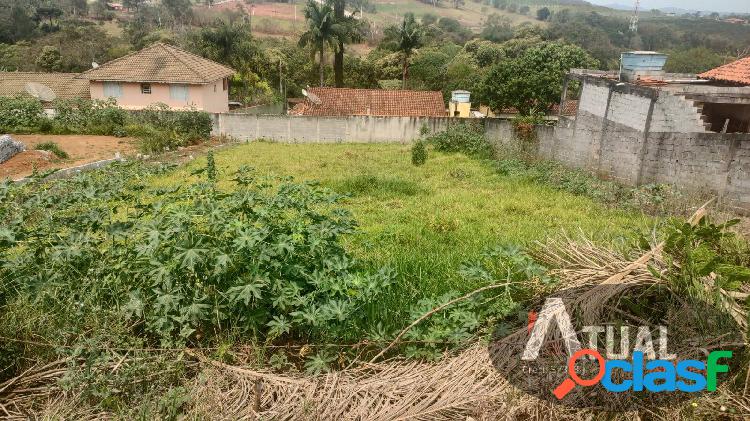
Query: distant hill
x=618 y=6
x=278 y=19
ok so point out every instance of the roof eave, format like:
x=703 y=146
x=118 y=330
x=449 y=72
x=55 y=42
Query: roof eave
x=175 y=81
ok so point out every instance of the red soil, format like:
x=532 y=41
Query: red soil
x=82 y=150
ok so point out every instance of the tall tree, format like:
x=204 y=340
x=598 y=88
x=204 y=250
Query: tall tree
x=233 y=45
x=49 y=13
x=181 y=11
x=322 y=31
x=16 y=23
x=50 y=59
x=533 y=81
x=349 y=33
x=76 y=7
x=407 y=37
x=543 y=13
x=339 y=12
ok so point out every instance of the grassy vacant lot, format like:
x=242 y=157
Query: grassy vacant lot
x=425 y=221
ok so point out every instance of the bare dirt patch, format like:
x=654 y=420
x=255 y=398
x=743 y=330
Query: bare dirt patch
x=82 y=149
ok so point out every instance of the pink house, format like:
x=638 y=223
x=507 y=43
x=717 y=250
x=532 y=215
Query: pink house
x=162 y=74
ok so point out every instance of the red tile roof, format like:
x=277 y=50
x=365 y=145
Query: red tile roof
x=64 y=85
x=376 y=102
x=160 y=63
x=735 y=72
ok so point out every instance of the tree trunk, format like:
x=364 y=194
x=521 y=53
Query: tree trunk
x=338 y=58
x=405 y=68
x=322 y=65
x=338 y=66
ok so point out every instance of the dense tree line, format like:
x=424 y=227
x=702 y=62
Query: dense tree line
x=502 y=65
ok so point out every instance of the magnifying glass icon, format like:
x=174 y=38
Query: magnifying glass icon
x=570 y=383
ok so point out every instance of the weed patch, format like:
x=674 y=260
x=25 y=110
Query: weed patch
x=54 y=148
x=464 y=137
x=376 y=186
x=657 y=199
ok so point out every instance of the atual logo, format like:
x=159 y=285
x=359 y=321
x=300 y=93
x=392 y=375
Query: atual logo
x=648 y=349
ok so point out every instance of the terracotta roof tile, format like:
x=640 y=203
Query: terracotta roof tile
x=64 y=85
x=735 y=72
x=160 y=63
x=376 y=102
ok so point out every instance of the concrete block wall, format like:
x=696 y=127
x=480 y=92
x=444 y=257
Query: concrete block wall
x=737 y=186
x=676 y=149
x=352 y=129
x=325 y=129
x=674 y=113
x=629 y=110
x=619 y=154
x=593 y=99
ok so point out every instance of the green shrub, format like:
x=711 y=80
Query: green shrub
x=418 y=153
x=98 y=117
x=45 y=125
x=463 y=137
x=192 y=125
x=20 y=113
x=210 y=167
x=158 y=127
x=154 y=140
x=177 y=265
x=424 y=130
x=54 y=148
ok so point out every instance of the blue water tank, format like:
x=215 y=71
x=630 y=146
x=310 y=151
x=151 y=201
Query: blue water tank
x=643 y=61
x=460 y=96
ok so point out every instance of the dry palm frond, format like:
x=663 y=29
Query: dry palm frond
x=36 y=383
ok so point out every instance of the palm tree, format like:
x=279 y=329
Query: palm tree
x=351 y=28
x=322 y=30
x=407 y=38
x=224 y=42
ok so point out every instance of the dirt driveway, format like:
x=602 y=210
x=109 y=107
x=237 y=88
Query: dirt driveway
x=81 y=148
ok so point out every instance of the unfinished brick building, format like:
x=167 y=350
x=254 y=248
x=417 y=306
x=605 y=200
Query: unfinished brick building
x=652 y=127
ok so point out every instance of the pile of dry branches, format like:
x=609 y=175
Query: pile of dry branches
x=462 y=386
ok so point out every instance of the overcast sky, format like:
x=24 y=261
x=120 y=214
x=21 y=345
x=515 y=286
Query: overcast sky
x=714 y=5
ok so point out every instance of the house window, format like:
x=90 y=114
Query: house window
x=146 y=88
x=225 y=83
x=179 y=92
x=113 y=89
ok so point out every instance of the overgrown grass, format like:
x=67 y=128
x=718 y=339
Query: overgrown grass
x=425 y=222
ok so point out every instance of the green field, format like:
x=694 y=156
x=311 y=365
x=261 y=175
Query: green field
x=425 y=221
